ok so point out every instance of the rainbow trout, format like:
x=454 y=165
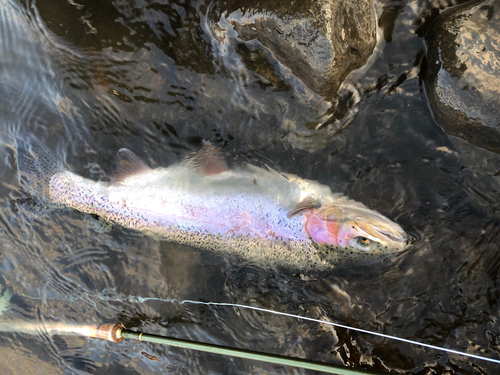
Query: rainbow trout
x=254 y=213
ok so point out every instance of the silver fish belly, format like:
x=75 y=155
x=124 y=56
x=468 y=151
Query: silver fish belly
x=253 y=213
x=230 y=213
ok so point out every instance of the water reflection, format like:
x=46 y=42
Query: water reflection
x=90 y=78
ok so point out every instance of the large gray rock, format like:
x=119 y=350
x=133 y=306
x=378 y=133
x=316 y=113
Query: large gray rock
x=463 y=72
x=321 y=41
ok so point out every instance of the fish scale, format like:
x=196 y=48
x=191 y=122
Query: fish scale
x=224 y=233
x=249 y=212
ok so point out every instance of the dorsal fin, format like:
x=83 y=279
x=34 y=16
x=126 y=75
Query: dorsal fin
x=209 y=160
x=307 y=203
x=128 y=164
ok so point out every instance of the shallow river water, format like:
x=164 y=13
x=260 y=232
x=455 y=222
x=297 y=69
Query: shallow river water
x=91 y=77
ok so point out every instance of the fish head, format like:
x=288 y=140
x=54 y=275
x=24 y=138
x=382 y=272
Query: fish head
x=347 y=232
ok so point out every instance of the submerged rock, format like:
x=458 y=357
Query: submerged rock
x=463 y=72
x=321 y=42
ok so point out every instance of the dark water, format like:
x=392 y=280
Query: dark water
x=91 y=77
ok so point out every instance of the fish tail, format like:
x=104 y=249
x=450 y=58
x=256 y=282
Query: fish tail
x=36 y=165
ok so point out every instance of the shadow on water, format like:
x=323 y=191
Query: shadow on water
x=91 y=77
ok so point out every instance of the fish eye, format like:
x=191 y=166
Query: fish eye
x=363 y=240
x=363 y=243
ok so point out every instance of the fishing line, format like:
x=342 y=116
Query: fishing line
x=227 y=304
x=117 y=298
x=343 y=326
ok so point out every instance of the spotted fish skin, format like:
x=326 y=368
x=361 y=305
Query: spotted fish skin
x=180 y=206
x=253 y=213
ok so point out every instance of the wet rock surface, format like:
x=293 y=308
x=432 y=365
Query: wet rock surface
x=287 y=62
x=463 y=72
x=321 y=42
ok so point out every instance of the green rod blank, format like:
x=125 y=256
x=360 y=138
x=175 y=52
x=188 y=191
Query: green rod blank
x=240 y=353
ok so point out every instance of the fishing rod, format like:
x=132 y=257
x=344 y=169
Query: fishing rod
x=116 y=332
x=93 y=331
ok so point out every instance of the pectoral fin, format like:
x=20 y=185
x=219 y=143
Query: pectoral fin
x=307 y=203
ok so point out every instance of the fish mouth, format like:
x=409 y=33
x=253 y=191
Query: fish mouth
x=400 y=237
x=393 y=233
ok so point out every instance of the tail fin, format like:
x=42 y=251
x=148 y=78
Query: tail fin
x=36 y=165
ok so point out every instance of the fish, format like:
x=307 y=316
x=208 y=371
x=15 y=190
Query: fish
x=254 y=213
